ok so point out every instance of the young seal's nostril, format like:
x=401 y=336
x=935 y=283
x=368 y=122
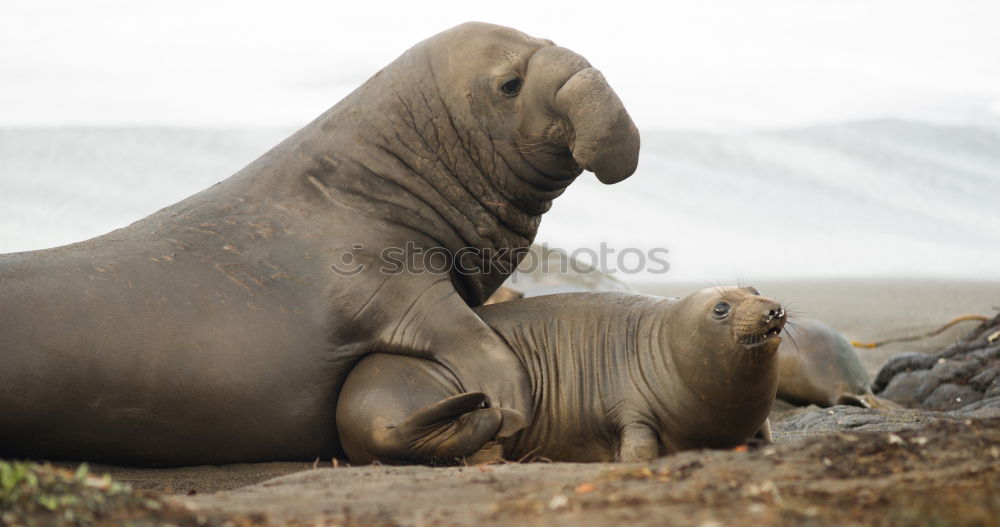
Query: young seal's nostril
x=773 y=313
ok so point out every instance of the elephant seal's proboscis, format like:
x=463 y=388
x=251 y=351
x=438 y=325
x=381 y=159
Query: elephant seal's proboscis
x=216 y=329
x=614 y=376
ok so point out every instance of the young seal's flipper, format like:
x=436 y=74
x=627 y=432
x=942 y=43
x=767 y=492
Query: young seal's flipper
x=764 y=433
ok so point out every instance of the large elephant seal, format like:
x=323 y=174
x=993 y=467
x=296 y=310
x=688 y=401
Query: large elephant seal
x=220 y=329
x=614 y=376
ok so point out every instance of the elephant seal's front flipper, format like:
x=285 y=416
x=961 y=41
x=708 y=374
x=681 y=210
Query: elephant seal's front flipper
x=639 y=442
x=444 y=431
x=445 y=428
x=440 y=326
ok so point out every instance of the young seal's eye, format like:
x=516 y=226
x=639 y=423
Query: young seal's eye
x=721 y=309
x=511 y=87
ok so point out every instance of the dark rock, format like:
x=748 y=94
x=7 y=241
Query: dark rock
x=986 y=379
x=986 y=354
x=910 y=388
x=956 y=370
x=986 y=403
x=902 y=363
x=950 y=396
x=964 y=372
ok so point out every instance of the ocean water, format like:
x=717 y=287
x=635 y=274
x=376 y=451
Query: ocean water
x=873 y=198
x=882 y=198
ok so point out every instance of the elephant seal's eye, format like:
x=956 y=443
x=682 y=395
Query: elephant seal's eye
x=721 y=309
x=511 y=87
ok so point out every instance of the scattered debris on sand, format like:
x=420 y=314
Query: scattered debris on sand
x=35 y=494
x=947 y=472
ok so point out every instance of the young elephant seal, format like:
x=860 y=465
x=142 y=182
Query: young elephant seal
x=816 y=364
x=614 y=376
x=220 y=329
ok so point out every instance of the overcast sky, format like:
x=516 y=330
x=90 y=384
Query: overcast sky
x=717 y=65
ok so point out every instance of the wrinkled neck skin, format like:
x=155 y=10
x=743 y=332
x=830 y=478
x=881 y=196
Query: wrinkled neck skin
x=582 y=370
x=403 y=150
x=727 y=390
x=598 y=374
